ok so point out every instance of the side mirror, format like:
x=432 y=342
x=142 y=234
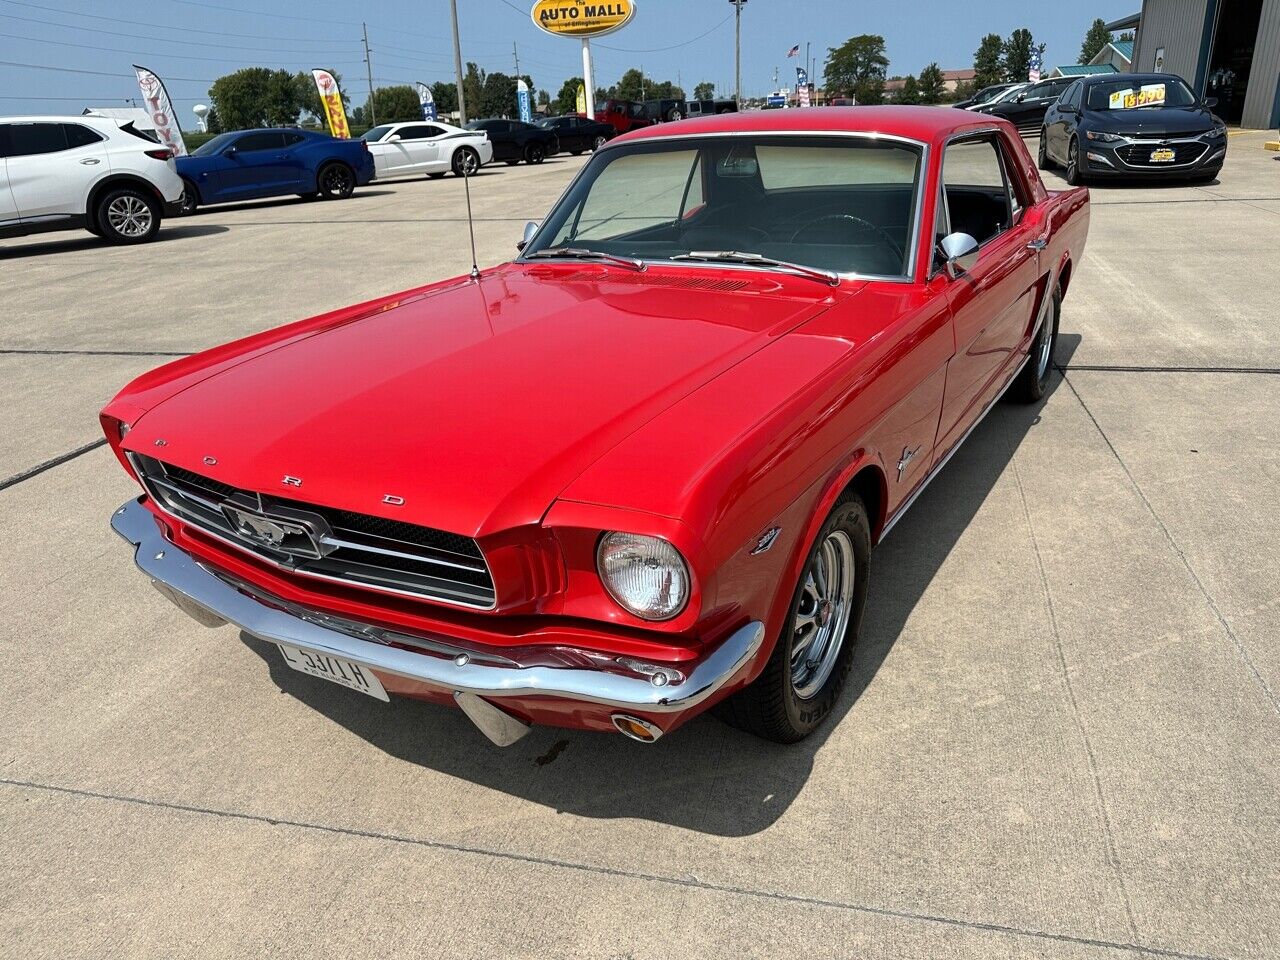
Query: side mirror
x=393 y=138
x=530 y=229
x=231 y=151
x=959 y=253
x=1211 y=102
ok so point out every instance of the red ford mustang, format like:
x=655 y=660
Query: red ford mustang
x=640 y=470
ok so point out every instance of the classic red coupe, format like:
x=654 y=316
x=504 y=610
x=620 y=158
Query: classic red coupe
x=638 y=471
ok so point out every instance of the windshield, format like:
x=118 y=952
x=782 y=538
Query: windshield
x=376 y=134
x=836 y=203
x=210 y=147
x=1009 y=94
x=1140 y=94
x=989 y=94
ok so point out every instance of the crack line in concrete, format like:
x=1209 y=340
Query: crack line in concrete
x=1121 y=368
x=57 y=461
x=686 y=882
x=8 y=351
x=1186 y=564
x=1113 y=855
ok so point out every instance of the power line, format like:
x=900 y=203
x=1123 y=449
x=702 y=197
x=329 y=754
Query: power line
x=163 y=56
x=671 y=47
x=163 y=26
x=94 y=73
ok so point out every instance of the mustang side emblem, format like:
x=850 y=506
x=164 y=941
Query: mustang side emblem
x=907 y=457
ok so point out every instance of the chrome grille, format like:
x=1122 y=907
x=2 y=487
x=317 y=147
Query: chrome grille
x=358 y=549
x=1139 y=154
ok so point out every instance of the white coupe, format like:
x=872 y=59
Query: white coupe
x=427 y=146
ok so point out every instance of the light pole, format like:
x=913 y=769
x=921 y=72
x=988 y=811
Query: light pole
x=457 y=64
x=737 y=50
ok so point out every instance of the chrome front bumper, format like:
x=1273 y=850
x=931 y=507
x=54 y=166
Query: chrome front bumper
x=474 y=678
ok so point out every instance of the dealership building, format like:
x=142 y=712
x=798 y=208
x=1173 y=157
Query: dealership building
x=1229 y=49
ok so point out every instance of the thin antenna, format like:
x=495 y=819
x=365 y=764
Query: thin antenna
x=466 y=185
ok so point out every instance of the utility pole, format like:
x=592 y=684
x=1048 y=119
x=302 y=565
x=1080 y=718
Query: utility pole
x=737 y=51
x=516 y=54
x=457 y=64
x=368 y=64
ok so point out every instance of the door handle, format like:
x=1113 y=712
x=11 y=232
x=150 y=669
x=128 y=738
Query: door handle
x=1038 y=244
x=88 y=161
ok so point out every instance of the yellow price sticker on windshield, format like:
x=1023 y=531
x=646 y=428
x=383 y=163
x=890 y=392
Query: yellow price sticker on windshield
x=1148 y=95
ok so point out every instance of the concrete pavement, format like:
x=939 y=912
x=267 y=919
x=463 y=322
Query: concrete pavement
x=1060 y=741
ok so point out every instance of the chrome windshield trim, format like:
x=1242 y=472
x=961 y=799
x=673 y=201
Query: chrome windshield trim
x=908 y=276
x=212 y=600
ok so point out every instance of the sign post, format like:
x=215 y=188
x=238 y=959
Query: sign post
x=583 y=19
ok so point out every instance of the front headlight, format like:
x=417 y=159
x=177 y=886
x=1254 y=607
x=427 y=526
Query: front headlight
x=1100 y=137
x=645 y=575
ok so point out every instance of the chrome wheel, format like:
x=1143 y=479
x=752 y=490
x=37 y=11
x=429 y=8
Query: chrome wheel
x=598 y=143
x=822 y=616
x=466 y=162
x=129 y=216
x=1044 y=350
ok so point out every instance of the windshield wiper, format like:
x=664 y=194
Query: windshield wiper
x=737 y=256
x=582 y=253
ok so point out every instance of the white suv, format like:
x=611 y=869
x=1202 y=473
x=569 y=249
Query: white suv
x=63 y=173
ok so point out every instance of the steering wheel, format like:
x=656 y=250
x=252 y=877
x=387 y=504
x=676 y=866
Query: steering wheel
x=865 y=226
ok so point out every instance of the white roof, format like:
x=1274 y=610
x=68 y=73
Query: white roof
x=141 y=119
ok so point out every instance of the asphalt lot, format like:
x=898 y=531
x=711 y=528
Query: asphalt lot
x=1062 y=739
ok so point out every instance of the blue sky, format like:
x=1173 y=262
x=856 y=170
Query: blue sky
x=190 y=42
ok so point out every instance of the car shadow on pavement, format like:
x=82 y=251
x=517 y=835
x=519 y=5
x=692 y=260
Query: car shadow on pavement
x=88 y=241
x=289 y=201
x=706 y=776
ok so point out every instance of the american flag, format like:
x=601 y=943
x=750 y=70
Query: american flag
x=794 y=51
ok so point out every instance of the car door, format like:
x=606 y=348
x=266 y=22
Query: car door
x=51 y=167
x=421 y=146
x=993 y=303
x=253 y=165
x=1055 y=119
x=296 y=175
x=8 y=208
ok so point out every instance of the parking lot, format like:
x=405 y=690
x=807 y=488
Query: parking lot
x=1062 y=738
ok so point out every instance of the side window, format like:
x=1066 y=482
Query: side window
x=260 y=141
x=78 y=136
x=977 y=191
x=1072 y=98
x=29 y=139
x=293 y=139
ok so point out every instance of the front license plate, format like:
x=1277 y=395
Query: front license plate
x=1163 y=155
x=342 y=672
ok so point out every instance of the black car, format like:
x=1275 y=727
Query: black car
x=985 y=95
x=577 y=134
x=514 y=140
x=1026 y=109
x=1133 y=125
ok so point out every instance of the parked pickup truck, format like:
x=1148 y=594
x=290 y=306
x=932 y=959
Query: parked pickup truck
x=627 y=115
x=639 y=471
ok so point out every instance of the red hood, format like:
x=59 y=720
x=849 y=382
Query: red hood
x=477 y=405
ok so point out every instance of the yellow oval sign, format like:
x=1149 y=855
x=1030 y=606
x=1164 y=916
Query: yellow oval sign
x=582 y=18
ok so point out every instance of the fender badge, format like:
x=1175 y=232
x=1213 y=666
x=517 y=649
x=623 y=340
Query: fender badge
x=162 y=443
x=766 y=540
x=211 y=461
x=291 y=481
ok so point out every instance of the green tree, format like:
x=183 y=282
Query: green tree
x=663 y=90
x=256 y=97
x=1126 y=37
x=1094 y=41
x=398 y=104
x=544 y=98
x=909 y=92
x=857 y=67
x=963 y=91
x=704 y=91
x=566 y=100
x=932 y=86
x=1016 y=60
x=309 y=96
x=631 y=86
x=446 y=97
x=472 y=84
x=988 y=61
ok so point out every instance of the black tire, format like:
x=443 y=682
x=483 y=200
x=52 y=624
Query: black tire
x=127 y=215
x=674 y=115
x=1042 y=156
x=1032 y=382
x=771 y=707
x=465 y=161
x=336 y=181
x=190 y=199
x=535 y=153
x=1073 y=174
x=599 y=141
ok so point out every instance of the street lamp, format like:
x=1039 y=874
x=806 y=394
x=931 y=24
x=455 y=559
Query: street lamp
x=737 y=50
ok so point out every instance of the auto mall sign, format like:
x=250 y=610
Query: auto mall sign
x=582 y=18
